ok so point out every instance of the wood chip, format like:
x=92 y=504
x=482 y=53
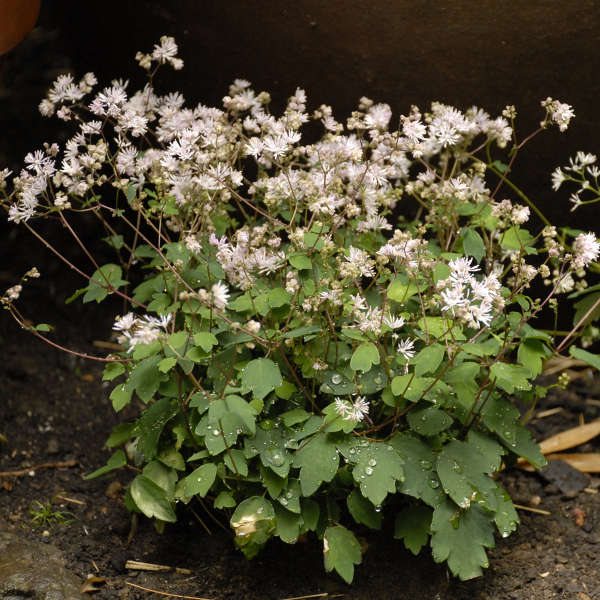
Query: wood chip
x=570 y=438
x=92 y=584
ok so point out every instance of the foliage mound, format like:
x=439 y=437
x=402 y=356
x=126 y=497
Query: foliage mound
x=319 y=336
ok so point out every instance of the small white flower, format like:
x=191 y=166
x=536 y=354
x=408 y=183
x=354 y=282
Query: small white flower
x=558 y=178
x=585 y=250
x=393 y=322
x=125 y=323
x=406 y=348
x=220 y=294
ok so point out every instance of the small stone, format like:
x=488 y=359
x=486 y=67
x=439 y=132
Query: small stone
x=569 y=480
x=53 y=446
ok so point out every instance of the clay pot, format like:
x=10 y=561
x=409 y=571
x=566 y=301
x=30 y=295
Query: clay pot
x=17 y=18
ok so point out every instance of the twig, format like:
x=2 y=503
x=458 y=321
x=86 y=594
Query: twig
x=539 y=511
x=548 y=413
x=53 y=465
x=140 y=587
x=136 y=565
x=67 y=499
x=323 y=595
x=108 y=345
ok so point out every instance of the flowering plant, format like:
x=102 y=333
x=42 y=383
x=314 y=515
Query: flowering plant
x=308 y=357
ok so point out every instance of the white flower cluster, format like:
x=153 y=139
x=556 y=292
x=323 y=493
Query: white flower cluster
x=557 y=112
x=467 y=298
x=136 y=330
x=355 y=410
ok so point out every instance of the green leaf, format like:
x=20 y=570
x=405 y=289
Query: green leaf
x=236 y=462
x=145 y=378
x=302 y=331
x=511 y=377
x=108 y=275
x=166 y=364
x=516 y=238
x=473 y=244
x=420 y=479
x=178 y=340
x=253 y=522
x=428 y=420
x=364 y=357
x=286 y=390
x=121 y=396
x=587 y=357
x=294 y=416
x=151 y=499
x=120 y=434
x=150 y=425
x=200 y=480
x=341 y=551
x=164 y=477
x=378 y=469
x=112 y=370
x=464 y=467
x=461 y=538
x=310 y=514
x=261 y=376
x=290 y=496
x=400 y=291
x=246 y=413
x=413 y=526
x=116 y=461
x=300 y=261
x=440 y=327
x=363 y=511
x=428 y=359
x=506 y=517
x=412 y=388
x=488 y=348
x=44 y=327
x=531 y=354
x=318 y=461
x=287 y=525
x=278 y=297
x=205 y=340
x=224 y=500
x=502 y=418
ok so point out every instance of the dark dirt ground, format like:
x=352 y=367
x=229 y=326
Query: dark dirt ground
x=54 y=408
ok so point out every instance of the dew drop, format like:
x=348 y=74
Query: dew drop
x=369 y=470
x=337 y=378
x=434 y=484
x=378 y=508
x=372 y=462
x=426 y=464
x=352 y=451
x=274 y=456
x=362 y=476
x=456 y=467
x=259 y=510
x=283 y=501
x=289 y=495
x=215 y=432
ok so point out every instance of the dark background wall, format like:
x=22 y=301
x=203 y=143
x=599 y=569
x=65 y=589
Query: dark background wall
x=463 y=52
